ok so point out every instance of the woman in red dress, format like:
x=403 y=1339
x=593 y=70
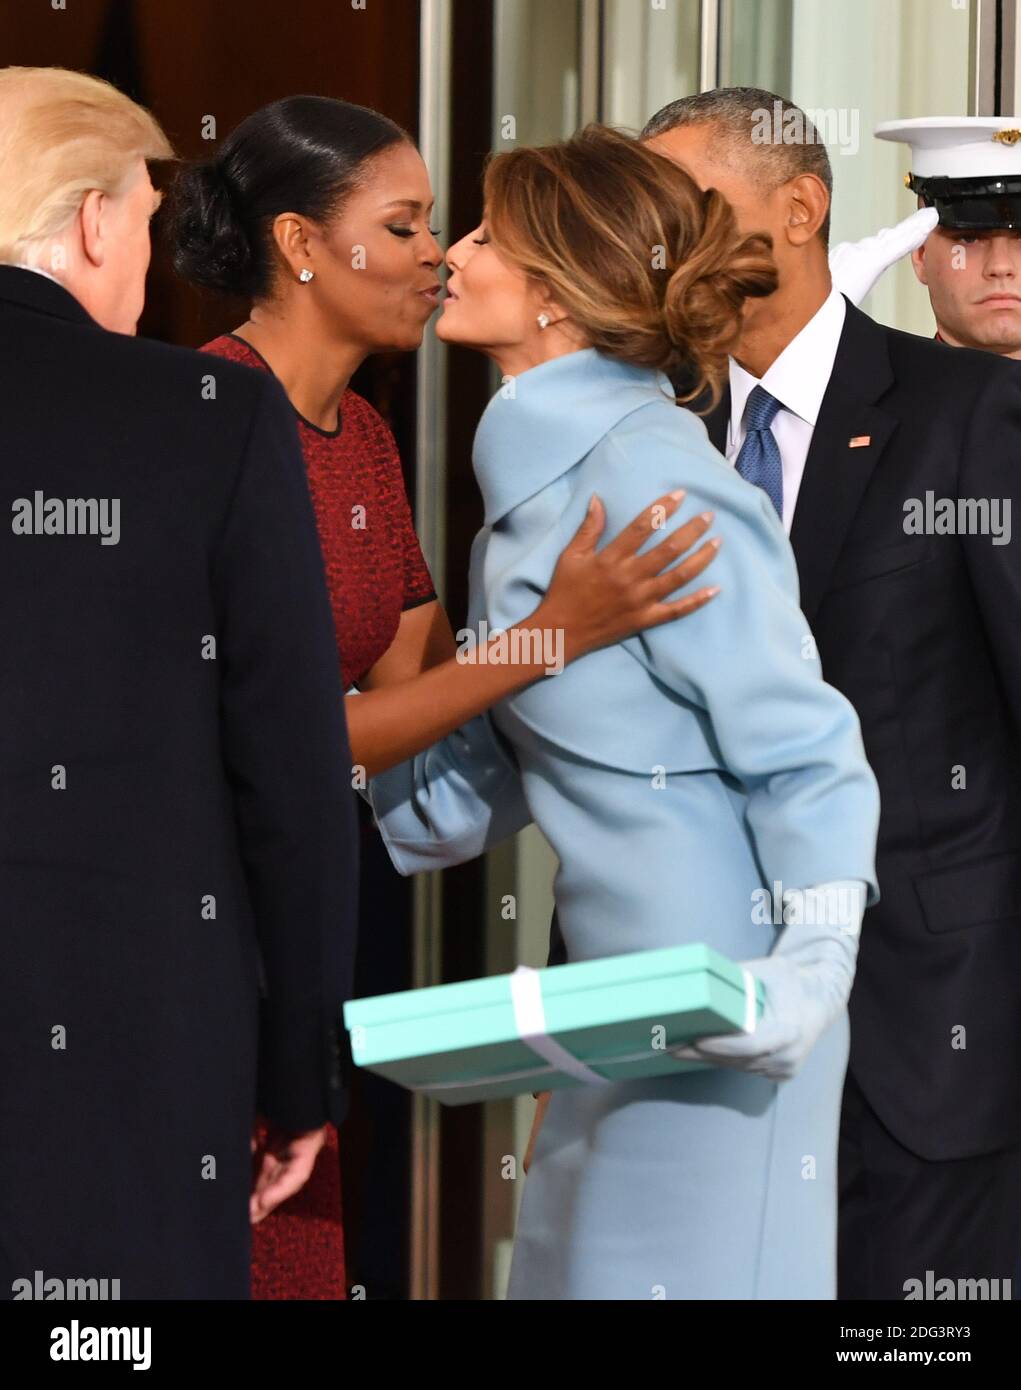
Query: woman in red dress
x=317 y=212
x=374 y=575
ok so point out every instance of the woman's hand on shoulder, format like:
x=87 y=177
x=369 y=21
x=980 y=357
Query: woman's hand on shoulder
x=599 y=597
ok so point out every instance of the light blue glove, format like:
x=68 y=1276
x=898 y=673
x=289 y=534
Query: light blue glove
x=808 y=978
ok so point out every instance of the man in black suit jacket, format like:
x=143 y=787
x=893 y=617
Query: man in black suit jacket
x=177 y=827
x=901 y=531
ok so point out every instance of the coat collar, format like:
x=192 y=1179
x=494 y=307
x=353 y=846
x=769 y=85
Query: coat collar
x=32 y=291
x=850 y=436
x=541 y=423
x=717 y=422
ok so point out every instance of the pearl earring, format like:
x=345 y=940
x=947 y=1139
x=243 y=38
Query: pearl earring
x=306 y=275
x=543 y=320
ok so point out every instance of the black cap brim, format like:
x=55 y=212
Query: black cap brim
x=972 y=205
x=979 y=214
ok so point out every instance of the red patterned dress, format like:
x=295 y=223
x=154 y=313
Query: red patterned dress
x=375 y=569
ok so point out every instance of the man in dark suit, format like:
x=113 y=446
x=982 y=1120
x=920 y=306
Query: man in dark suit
x=178 y=841
x=900 y=461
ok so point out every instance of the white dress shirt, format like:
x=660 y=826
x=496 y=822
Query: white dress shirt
x=798 y=379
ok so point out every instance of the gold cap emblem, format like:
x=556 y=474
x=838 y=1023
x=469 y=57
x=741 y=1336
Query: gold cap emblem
x=1007 y=137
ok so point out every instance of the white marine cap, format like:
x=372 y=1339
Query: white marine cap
x=967 y=167
x=963 y=147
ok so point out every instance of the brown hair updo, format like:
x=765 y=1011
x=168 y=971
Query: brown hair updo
x=652 y=270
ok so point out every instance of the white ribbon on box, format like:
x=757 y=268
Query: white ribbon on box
x=530 y=1023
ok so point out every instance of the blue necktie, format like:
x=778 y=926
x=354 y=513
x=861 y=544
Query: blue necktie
x=759 y=459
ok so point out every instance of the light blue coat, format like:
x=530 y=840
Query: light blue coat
x=676 y=775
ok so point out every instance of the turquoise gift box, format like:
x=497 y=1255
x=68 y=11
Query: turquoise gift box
x=567 y=1025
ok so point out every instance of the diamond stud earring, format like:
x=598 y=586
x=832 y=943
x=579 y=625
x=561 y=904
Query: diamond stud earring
x=306 y=275
x=543 y=320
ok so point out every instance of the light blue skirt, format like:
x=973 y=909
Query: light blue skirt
x=709 y=1185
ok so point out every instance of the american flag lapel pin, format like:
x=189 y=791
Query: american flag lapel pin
x=860 y=441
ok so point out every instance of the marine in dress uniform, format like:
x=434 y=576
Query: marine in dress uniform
x=969 y=169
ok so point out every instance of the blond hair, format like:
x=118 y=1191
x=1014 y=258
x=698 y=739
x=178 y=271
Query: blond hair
x=652 y=269
x=63 y=134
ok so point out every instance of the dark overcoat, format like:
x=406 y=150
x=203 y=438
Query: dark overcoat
x=177 y=831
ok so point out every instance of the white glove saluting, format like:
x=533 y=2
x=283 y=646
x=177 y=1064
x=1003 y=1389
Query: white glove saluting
x=808 y=978
x=856 y=265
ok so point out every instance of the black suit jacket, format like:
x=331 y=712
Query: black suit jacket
x=176 y=816
x=922 y=633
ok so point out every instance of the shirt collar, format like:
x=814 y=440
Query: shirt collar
x=541 y=423
x=799 y=376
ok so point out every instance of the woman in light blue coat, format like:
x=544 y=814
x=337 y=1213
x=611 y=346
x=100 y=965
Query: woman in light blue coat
x=680 y=775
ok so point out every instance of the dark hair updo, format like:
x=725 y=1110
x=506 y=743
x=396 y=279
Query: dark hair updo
x=301 y=154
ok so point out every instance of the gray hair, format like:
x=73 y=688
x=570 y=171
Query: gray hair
x=740 y=115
